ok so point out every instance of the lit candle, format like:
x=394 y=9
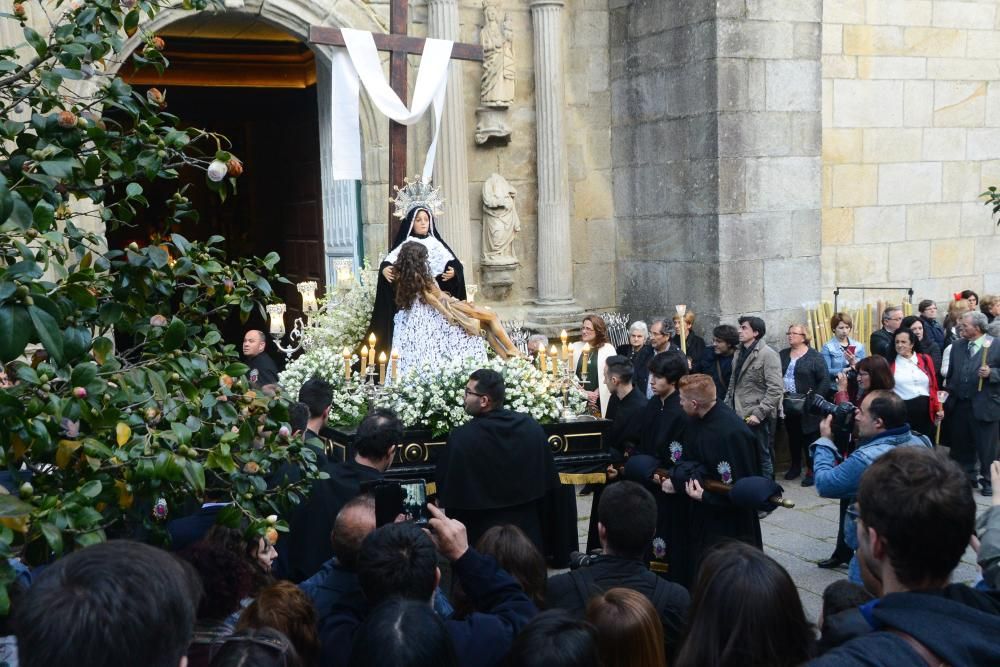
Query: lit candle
x=395 y=365
x=364 y=360
x=555 y=360
x=381 y=367
x=563 y=336
x=371 y=349
x=942 y=399
x=987 y=341
x=541 y=360
x=347 y=363
x=308 y=291
x=586 y=360
x=276 y=314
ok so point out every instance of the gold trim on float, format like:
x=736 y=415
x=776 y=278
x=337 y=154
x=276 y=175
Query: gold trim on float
x=657 y=566
x=583 y=478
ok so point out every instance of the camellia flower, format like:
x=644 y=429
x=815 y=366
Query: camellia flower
x=157 y=98
x=217 y=171
x=67 y=119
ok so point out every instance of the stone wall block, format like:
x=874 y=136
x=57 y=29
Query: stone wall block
x=844 y=11
x=959 y=104
x=879 y=223
x=950 y=257
x=754 y=39
x=755 y=236
x=984 y=144
x=833 y=39
x=807 y=233
x=807 y=133
x=891 y=67
x=983 y=44
x=933 y=42
x=867 y=103
x=863 y=265
x=790 y=283
x=963 y=14
x=785 y=10
x=749 y=275
x=955 y=69
x=867 y=40
x=944 y=144
x=754 y=134
x=918 y=104
x=986 y=251
x=854 y=185
x=892 y=145
x=909 y=182
x=807 y=40
x=933 y=221
x=837 y=226
x=732 y=185
x=792 y=85
x=841 y=146
x=909 y=260
x=782 y=184
x=977 y=220
x=899 y=12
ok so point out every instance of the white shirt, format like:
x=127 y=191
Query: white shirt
x=911 y=382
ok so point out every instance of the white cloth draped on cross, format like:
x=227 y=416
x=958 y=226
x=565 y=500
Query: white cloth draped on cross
x=360 y=63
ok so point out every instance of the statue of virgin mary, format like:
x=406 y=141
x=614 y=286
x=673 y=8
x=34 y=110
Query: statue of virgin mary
x=417 y=203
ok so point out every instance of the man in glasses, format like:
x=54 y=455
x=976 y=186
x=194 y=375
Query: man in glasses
x=498 y=468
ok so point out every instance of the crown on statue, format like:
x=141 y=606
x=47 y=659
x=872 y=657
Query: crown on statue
x=417 y=194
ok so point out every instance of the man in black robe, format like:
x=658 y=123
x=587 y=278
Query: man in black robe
x=624 y=409
x=717 y=445
x=498 y=468
x=450 y=276
x=308 y=545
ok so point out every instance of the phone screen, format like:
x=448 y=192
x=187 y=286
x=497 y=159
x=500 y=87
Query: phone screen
x=388 y=502
x=415 y=501
x=852 y=348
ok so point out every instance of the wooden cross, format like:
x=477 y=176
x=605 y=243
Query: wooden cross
x=399 y=45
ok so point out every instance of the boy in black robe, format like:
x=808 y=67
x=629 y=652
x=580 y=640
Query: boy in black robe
x=498 y=468
x=717 y=445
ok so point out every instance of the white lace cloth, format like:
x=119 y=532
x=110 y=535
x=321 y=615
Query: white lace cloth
x=422 y=334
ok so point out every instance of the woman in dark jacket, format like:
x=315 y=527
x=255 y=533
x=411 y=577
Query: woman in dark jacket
x=804 y=371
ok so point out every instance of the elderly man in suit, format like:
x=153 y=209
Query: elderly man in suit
x=973 y=404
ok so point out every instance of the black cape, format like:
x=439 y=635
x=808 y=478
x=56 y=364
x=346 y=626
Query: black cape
x=385 y=293
x=307 y=547
x=662 y=427
x=716 y=446
x=497 y=469
x=621 y=438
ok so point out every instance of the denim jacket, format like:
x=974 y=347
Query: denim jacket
x=836 y=361
x=837 y=477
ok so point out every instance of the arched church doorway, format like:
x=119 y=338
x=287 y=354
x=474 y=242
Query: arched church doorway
x=237 y=75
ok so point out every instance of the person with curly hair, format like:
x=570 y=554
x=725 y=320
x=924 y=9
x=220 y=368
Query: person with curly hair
x=430 y=325
x=284 y=607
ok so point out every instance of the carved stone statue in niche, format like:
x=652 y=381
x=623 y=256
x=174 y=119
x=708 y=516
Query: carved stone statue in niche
x=500 y=222
x=498 y=59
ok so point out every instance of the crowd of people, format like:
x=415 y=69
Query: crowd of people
x=675 y=574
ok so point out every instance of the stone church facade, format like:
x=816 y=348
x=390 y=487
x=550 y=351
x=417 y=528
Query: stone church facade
x=739 y=156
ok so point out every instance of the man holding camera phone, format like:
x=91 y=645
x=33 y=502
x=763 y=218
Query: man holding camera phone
x=882 y=426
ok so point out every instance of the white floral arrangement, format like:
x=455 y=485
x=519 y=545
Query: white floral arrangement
x=345 y=324
x=433 y=396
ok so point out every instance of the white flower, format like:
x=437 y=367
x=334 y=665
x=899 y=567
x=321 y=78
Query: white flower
x=217 y=171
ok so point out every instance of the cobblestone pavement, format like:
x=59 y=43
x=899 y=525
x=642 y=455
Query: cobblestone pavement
x=798 y=538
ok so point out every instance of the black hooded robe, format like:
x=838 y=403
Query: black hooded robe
x=499 y=469
x=718 y=446
x=385 y=293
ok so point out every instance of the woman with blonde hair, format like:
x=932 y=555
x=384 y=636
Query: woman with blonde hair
x=804 y=372
x=956 y=309
x=629 y=631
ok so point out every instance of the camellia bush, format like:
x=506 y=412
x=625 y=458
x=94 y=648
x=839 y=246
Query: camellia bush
x=123 y=406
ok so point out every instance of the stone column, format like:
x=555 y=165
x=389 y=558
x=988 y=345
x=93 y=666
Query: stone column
x=555 y=263
x=452 y=170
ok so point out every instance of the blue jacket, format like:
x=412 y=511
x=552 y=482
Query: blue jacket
x=481 y=639
x=836 y=362
x=837 y=477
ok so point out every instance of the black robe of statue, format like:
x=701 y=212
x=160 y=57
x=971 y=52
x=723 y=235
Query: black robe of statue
x=385 y=293
x=718 y=446
x=622 y=437
x=662 y=427
x=499 y=469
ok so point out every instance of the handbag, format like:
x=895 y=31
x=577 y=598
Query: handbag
x=793 y=403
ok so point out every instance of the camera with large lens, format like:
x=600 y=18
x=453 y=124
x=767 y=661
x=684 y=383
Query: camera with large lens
x=843 y=418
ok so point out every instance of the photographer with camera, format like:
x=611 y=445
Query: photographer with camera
x=626 y=523
x=881 y=426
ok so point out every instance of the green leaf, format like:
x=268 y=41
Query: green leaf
x=44 y=216
x=90 y=538
x=175 y=335
x=83 y=375
x=102 y=348
x=58 y=168
x=48 y=333
x=236 y=369
x=133 y=189
x=181 y=243
x=14 y=507
x=36 y=41
x=159 y=386
x=182 y=432
x=54 y=537
x=110 y=313
x=15 y=332
x=194 y=473
x=6 y=201
x=91 y=489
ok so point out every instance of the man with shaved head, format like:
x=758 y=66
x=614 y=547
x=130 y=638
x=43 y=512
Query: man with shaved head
x=263 y=372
